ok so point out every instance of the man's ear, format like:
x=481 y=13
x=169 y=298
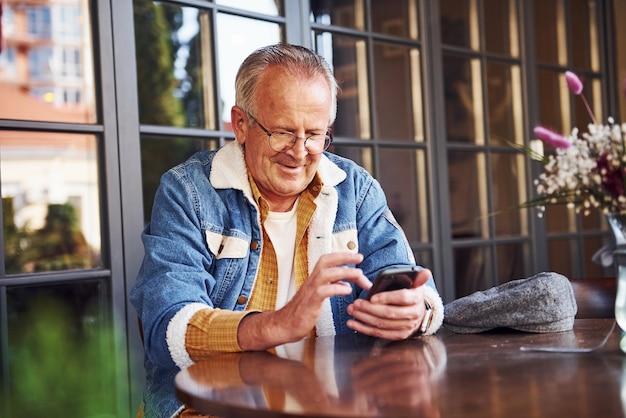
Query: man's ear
x=239 y=123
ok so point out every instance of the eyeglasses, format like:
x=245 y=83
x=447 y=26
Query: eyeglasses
x=282 y=141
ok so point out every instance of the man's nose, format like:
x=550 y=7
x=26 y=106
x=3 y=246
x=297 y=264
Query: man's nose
x=299 y=147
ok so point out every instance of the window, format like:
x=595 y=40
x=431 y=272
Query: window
x=414 y=138
x=482 y=82
x=33 y=74
x=572 y=238
x=186 y=92
x=56 y=280
x=39 y=22
x=380 y=118
x=44 y=228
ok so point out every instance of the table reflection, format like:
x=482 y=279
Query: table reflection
x=340 y=376
x=448 y=375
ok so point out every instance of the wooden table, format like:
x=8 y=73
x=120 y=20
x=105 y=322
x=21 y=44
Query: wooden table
x=447 y=375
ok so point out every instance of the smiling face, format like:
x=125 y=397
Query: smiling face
x=288 y=103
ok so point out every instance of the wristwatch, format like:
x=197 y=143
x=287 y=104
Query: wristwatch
x=428 y=318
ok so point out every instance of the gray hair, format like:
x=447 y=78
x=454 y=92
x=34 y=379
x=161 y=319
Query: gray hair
x=294 y=59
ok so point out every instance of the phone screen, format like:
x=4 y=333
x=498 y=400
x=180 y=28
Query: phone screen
x=393 y=279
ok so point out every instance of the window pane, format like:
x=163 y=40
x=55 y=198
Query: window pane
x=456 y=24
x=425 y=259
x=46 y=62
x=350 y=13
x=620 y=56
x=268 y=7
x=61 y=354
x=583 y=18
x=508 y=186
x=50 y=201
x=468 y=199
x=548 y=19
x=159 y=155
x=472 y=270
x=504 y=103
x=594 y=221
x=590 y=269
x=395 y=18
x=363 y=156
x=501 y=27
x=552 y=110
x=560 y=219
x=397 y=87
x=237 y=38
x=560 y=256
x=348 y=56
x=173 y=71
x=463 y=100
x=403 y=178
x=513 y=261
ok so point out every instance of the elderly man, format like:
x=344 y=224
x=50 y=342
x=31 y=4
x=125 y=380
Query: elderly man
x=270 y=239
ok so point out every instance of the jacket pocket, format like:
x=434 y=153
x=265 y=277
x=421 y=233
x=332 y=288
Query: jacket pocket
x=346 y=241
x=223 y=246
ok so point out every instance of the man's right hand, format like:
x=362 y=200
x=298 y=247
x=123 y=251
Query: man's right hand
x=298 y=317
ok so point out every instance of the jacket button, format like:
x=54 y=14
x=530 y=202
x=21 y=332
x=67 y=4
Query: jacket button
x=254 y=245
x=242 y=299
x=351 y=245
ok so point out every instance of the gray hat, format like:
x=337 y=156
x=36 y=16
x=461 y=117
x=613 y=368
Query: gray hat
x=541 y=303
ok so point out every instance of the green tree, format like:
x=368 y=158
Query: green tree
x=155 y=48
x=161 y=98
x=16 y=240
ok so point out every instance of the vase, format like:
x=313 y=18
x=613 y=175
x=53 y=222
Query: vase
x=617 y=223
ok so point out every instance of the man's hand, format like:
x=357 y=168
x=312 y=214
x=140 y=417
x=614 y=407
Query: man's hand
x=298 y=317
x=392 y=315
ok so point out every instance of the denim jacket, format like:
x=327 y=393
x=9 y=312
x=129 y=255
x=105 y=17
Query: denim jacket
x=203 y=245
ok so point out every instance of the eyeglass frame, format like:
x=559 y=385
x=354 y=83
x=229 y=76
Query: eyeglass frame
x=328 y=137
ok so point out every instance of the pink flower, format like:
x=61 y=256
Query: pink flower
x=551 y=138
x=574 y=83
x=576 y=87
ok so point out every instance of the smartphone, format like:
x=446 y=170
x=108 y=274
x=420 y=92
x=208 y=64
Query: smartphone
x=393 y=279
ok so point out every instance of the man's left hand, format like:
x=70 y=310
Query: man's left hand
x=392 y=315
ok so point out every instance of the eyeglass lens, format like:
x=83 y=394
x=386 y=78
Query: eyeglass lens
x=284 y=141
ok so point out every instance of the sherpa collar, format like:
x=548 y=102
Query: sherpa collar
x=229 y=171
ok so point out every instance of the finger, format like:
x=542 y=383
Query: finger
x=385 y=317
x=338 y=259
x=335 y=267
x=393 y=320
x=387 y=334
x=422 y=277
x=400 y=297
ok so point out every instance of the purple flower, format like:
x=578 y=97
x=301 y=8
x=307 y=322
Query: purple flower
x=551 y=138
x=574 y=83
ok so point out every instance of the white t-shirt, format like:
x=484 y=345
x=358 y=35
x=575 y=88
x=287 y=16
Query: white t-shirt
x=281 y=228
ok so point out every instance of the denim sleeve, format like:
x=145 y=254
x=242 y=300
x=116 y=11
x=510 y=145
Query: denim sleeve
x=174 y=270
x=381 y=239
